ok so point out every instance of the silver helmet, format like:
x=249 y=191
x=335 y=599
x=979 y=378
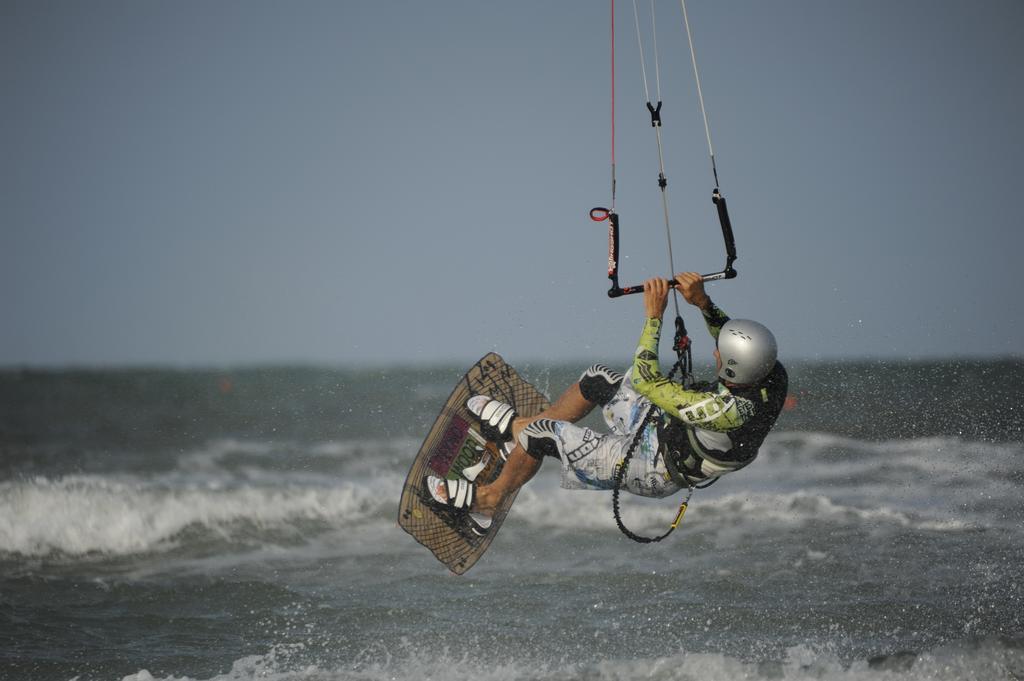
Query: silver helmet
x=748 y=351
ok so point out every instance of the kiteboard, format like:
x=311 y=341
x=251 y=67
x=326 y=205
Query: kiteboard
x=453 y=444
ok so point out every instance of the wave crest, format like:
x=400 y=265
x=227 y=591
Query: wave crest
x=82 y=515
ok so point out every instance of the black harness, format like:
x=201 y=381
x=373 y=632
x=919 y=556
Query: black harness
x=684 y=454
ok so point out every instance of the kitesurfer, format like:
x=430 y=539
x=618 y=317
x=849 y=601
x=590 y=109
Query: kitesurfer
x=697 y=434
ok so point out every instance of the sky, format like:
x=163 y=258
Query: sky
x=191 y=183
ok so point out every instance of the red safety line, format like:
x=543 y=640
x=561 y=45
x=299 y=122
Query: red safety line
x=613 y=103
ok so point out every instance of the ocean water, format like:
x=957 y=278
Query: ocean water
x=170 y=524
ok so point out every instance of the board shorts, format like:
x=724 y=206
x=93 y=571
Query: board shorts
x=590 y=459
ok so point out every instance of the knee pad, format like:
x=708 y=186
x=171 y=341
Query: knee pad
x=539 y=439
x=599 y=384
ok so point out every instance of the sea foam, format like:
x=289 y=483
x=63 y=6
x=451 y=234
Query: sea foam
x=992 y=659
x=79 y=515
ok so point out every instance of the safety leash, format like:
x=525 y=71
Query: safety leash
x=684 y=364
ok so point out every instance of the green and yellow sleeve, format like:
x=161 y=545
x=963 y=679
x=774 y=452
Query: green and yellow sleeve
x=703 y=409
x=714 y=319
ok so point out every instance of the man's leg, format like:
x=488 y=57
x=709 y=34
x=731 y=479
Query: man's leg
x=521 y=467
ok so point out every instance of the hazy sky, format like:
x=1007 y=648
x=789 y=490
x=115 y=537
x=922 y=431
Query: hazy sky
x=375 y=182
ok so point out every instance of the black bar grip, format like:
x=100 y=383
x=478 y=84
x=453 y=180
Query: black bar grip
x=617 y=291
x=613 y=248
x=723 y=219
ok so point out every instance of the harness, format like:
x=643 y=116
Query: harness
x=685 y=454
x=684 y=458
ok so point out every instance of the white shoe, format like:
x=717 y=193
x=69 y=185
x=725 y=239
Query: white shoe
x=495 y=417
x=457 y=495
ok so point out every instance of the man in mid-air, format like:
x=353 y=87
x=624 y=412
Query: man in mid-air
x=697 y=433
